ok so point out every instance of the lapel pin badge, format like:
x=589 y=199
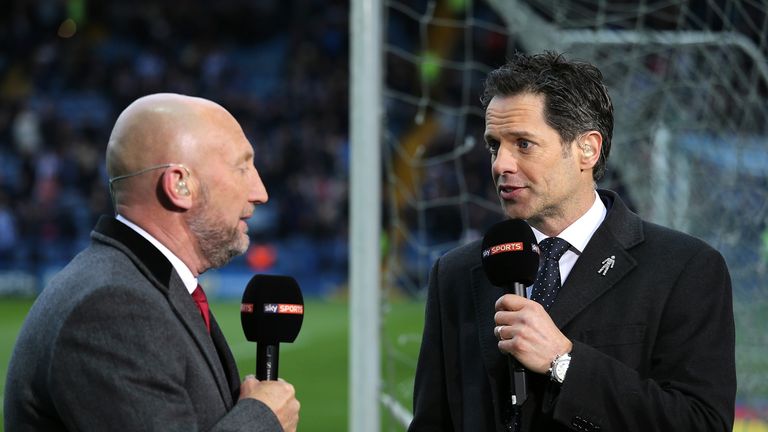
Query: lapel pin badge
x=607 y=265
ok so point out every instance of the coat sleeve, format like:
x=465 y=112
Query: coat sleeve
x=115 y=366
x=690 y=381
x=430 y=402
x=249 y=415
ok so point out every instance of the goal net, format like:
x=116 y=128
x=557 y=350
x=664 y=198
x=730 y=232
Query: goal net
x=689 y=81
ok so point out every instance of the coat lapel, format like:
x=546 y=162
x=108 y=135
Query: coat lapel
x=227 y=359
x=584 y=284
x=189 y=315
x=620 y=231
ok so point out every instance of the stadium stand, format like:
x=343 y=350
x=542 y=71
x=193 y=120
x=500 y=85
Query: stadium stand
x=68 y=68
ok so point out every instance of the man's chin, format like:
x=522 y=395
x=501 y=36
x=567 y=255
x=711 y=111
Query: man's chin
x=514 y=211
x=220 y=260
x=242 y=246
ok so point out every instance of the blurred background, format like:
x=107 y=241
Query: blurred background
x=689 y=81
x=69 y=67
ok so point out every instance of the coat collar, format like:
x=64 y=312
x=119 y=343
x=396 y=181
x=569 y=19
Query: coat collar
x=147 y=258
x=620 y=231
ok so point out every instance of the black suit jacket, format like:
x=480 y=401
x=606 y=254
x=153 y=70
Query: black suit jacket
x=653 y=339
x=115 y=342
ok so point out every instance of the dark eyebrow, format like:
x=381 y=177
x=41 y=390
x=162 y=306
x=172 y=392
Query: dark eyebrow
x=519 y=134
x=513 y=133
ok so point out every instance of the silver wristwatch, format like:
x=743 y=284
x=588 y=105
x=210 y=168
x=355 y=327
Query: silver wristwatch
x=559 y=367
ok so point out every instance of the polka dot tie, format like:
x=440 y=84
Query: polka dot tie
x=548 y=279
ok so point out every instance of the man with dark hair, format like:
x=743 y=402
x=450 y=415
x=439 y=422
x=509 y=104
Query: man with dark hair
x=122 y=339
x=629 y=325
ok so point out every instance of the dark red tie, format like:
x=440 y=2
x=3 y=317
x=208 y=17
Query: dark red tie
x=202 y=303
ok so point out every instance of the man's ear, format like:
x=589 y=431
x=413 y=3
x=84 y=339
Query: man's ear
x=176 y=186
x=590 y=144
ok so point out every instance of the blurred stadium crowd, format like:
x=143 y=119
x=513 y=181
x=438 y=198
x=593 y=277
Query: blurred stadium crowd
x=68 y=67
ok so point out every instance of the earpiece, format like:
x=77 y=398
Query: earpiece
x=587 y=150
x=181 y=187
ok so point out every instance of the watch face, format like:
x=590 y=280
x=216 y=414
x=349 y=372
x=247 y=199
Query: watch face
x=561 y=367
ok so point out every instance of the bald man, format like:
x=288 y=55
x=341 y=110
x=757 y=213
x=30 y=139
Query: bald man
x=116 y=340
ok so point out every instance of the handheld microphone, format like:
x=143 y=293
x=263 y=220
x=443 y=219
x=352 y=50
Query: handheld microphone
x=510 y=256
x=271 y=312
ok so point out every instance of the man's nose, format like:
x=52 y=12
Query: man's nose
x=504 y=162
x=258 y=193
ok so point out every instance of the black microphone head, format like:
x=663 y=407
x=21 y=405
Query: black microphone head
x=510 y=253
x=272 y=309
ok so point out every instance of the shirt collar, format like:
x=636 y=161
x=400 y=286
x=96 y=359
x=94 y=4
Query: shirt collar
x=189 y=280
x=579 y=232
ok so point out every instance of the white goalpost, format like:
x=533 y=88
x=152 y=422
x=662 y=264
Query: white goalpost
x=365 y=214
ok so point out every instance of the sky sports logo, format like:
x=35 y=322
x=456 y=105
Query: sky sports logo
x=275 y=308
x=501 y=248
x=283 y=308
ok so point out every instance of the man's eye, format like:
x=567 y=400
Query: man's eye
x=492 y=146
x=523 y=144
